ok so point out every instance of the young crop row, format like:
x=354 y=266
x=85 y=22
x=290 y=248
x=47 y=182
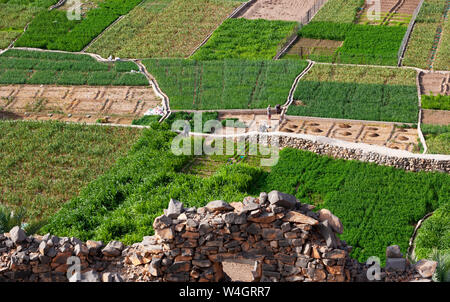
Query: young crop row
x=34 y=67
x=437 y=138
x=377 y=205
x=246 y=39
x=54 y=30
x=422 y=37
x=363 y=93
x=163 y=28
x=226 y=84
x=439 y=102
x=363 y=44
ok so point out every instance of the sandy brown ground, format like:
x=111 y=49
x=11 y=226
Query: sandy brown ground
x=435 y=83
x=287 y=10
x=76 y=103
x=436 y=117
x=374 y=133
x=307 y=46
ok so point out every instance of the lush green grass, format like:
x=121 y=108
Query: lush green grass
x=35 y=67
x=439 y=102
x=53 y=30
x=163 y=28
x=434 y=233
x=437 y=138
x=123 y=203
x=377 y=205
x=44 y=164
x=340 y=11
x=363 y=44
x=246 y=39
x=421 y=40
x=364 y=93
x=224 y=84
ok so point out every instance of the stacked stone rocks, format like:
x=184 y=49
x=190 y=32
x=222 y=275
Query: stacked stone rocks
x=406 y=163
x=286 y=239
x=45 y=258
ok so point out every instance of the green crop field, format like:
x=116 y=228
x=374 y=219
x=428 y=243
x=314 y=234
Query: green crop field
x=35 y=67
x=363 y=93
x=421 y=40
x=363 y=44
x=443 y=55
x=378 y=205
x=437 y=138
x=224 y=84
x=44 y=164
x=16 y=14
x=163 y=28
x=339 y=11
x=246 y=39
x=438 y=102
x=53 y=29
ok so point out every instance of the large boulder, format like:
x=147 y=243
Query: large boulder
x=334 y=222
x=393 y=251
x=17 y=235
x=282 y=199
x=113 y=249
x=175 y=209
x=218 y=206
x=426 y=268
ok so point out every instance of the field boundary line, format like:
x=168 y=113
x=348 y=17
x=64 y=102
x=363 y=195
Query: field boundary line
x=411 y=246
x=419 y=122
x=290 y=98
x=233 y=14
x=110 y=26
x=327 y=141
x=404 y=44
x=158 y=91
x=101 y=34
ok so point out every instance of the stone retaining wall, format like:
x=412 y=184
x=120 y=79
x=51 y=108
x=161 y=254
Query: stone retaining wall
x=284 y=239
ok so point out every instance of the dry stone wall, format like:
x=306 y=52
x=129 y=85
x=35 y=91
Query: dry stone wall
x=285 y=240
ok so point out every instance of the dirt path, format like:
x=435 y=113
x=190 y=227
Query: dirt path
x=287 y=10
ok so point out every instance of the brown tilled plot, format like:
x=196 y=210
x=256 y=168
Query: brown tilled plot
x=76 y=103
x=287 y=10
x=435 y=83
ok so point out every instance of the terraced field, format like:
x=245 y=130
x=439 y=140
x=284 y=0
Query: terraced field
x=361 y=93
x=163 y=28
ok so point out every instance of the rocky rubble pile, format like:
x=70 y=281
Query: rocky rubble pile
x=46 y=258
x=284 y=239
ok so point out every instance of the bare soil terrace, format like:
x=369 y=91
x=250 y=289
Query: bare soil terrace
x=287 y=10
x=76 y=103
x=374 y=133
